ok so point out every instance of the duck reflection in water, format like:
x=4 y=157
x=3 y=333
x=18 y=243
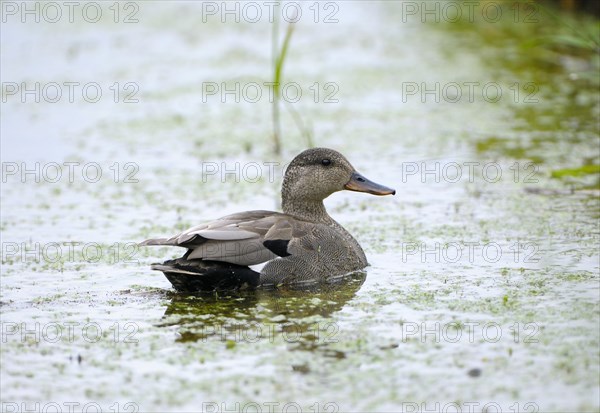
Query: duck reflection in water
x=294 y=315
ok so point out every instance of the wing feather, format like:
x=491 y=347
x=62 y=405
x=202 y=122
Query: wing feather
x=237 y=238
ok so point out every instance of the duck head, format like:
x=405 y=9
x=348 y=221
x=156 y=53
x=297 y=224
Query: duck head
x=316 y=173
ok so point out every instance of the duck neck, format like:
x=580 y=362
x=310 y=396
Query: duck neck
x=309 y=210
x=314 y=211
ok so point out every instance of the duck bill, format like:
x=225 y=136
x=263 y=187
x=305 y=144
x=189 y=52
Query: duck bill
x=359 y=183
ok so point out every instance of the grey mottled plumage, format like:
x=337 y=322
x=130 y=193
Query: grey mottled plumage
x=301 y=245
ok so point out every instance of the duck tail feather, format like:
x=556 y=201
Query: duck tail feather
x=156 y=241
x=198 y=275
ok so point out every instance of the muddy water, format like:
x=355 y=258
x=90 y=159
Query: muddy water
x=482 y=291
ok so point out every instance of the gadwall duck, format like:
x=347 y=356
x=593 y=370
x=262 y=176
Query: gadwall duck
x=302 y=245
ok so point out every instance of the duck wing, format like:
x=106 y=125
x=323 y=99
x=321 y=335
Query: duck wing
x=245 y=238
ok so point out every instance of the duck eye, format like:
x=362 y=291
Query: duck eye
x=326 y=162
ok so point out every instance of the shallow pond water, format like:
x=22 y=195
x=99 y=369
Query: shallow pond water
x=483 y=288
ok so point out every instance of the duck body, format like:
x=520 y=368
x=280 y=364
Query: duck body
x=302 y=245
